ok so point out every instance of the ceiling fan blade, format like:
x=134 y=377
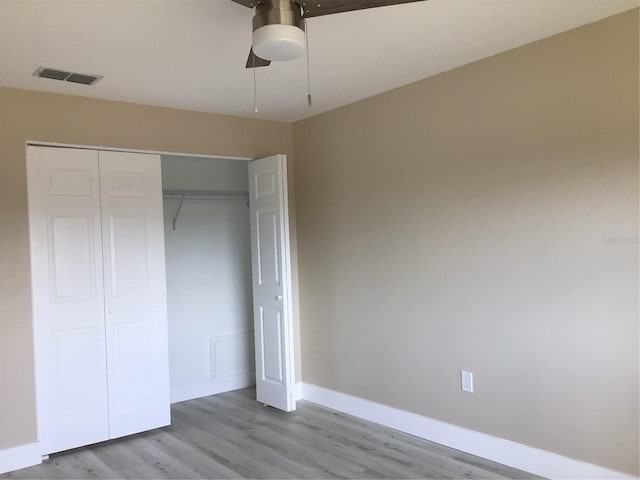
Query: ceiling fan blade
x=256 y=61
x=328 y=7
x=247 y=3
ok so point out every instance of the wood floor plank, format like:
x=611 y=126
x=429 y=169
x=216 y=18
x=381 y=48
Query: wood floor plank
x=232 y=436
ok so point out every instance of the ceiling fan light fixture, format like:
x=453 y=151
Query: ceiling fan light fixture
x=278 y=30
x=279 y=42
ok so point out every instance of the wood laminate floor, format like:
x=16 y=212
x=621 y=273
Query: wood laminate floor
x=232 y=436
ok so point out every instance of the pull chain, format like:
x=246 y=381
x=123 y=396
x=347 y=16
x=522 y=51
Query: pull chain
x=255 y=87
x=306 y=36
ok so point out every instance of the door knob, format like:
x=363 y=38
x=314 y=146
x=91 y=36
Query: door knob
x=111 y=311
x=278 y=297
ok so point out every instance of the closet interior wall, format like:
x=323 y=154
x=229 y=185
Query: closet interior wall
x=208 y=262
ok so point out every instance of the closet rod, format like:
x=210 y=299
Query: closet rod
x=202 y=195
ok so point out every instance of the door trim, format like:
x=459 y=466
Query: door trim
x=37 y=143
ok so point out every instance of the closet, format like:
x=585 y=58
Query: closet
x=209 y=291
x=229 y=277
x=107 y=360
x=99 y=295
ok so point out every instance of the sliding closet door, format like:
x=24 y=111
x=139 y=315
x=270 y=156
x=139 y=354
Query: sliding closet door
x=68 y=303
x=135 y=292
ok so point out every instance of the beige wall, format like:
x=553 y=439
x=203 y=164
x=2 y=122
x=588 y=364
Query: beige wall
x=484 y=219
x=26 y=115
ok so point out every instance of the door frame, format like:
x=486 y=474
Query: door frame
x=37 y=143
x=288 y=286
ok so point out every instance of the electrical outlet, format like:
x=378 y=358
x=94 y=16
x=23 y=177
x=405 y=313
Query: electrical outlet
x=466 y=381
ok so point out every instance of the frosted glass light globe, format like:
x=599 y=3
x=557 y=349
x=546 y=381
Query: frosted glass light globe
x=278 y=42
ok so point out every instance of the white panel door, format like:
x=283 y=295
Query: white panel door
x=68 y=301
x=272 y=306
x=135 y=292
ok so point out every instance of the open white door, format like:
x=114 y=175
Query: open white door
x=271 y=268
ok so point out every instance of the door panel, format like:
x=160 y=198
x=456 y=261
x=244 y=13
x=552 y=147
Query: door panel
x=134 y=380
x=271 y=282
x=71 y=182
x=129 y=256
x=68 y=301
x=76 y=358
x=135 y=293
x=271 y=327
x=267 y=245
x=72 y=272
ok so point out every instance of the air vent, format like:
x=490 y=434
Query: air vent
x=53 y=74
x=83 y=79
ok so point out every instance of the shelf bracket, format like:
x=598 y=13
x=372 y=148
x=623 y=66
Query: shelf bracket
x=175 y=218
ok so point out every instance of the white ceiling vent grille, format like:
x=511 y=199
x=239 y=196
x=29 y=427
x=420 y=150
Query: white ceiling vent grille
x=54 y=74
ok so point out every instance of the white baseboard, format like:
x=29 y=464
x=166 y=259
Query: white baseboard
x=506 y=452
x=20 y=457
x=190 y=391
x=297 y=391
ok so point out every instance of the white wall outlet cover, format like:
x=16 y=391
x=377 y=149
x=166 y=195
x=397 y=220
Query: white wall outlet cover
x=466 y=380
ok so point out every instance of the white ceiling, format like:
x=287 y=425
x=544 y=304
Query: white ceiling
x=190 y=54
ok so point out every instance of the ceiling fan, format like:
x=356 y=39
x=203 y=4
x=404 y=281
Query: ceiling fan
x=279 y=26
